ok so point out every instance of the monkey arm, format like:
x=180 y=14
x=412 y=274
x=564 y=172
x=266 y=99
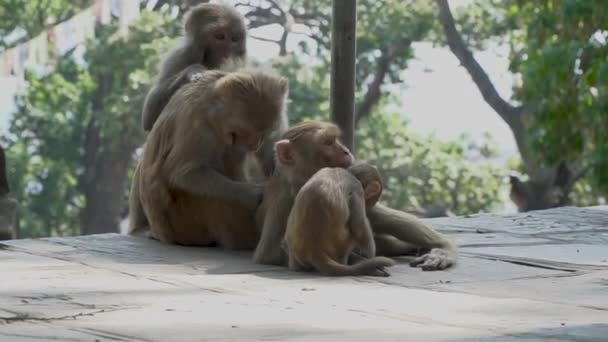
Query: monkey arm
x=269 y=250
x=408 y=228
x=161 y=93
x=206 y=181
x=359 y=226
x=266 y=152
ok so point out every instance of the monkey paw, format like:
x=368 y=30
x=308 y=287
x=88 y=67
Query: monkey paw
x=436 y=259
x=380 y=272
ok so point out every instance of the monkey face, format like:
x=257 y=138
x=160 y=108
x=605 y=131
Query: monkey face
x=333 y=153
x=223 y=43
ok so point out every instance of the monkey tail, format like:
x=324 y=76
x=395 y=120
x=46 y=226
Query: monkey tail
x=372 y=266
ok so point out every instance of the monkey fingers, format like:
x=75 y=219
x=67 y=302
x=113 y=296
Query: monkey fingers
x=436 y=259
x=381 y=272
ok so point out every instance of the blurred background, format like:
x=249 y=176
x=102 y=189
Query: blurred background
x=465 y=106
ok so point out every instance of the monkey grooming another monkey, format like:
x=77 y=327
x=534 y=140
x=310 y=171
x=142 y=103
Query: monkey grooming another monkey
x=191 y=182
x=9 y=217
x=213 y=33
x=328 y=221
x=304 y=149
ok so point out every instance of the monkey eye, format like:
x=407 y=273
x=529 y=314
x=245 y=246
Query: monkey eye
x=220 y=36
x=236 y=38
x=328 y=142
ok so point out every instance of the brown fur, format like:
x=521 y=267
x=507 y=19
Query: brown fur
x=305 y=148
x=209 y=30
x=328 y=221
x=191 y=184
x=400 y=232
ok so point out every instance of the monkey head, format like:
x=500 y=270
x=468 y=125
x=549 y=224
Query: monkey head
x=547 y=188
x=370 y=178
x=310 y=146
x=220 y=30
x=249 y=106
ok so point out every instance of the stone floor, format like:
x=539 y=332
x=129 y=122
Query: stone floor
x=540 y=276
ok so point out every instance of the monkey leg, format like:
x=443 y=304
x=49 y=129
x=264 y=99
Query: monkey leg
x=390 y=246
x=408 y=228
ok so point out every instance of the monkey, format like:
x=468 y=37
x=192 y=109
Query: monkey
x=401 y=231
x=191 y=180
x=327 y=221
x=548 y=187
x=9 y=216
x=303 y=150
x=213 y=33
x=306 y=148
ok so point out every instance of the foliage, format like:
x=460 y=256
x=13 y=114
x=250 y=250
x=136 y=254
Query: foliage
x=71 y=124
x=62 y=114
x=422 y=170
x=25 y=19
x=562 y=56
x=560 y=50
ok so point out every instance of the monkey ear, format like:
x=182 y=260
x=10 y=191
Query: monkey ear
x=373 y=190
x=196 y=15
x=284 y=152
x=514 y=180
x=562 y=175
x=517 y=187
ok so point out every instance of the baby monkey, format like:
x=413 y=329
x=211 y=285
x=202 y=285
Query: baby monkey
x=328 y=221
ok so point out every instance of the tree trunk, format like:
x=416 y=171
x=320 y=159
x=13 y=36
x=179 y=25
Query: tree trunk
x=104 y=193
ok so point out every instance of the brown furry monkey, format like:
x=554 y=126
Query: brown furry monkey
x=9 y=217
x=303 y=150
x=191 y=182
x=328 y=221
x=214 y=32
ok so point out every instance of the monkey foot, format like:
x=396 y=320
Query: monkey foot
x=436 y=259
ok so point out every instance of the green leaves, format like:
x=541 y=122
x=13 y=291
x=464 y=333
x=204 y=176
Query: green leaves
x=74 y=123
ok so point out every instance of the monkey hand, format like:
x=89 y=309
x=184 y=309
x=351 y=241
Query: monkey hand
x=194 y=72
x=436 y=259
x=253 y=197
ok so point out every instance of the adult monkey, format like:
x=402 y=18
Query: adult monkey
x=212 y=34
x=191 y=182
x=306 y=148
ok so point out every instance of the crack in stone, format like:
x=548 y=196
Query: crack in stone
x=25 y=317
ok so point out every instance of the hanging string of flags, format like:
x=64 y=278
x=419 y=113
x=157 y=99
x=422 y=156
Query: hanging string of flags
x=63 y=37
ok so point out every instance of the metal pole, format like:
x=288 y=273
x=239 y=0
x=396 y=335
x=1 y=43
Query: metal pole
x=343 y=52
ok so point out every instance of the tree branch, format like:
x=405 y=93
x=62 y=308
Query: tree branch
x=512 y=115
x=479 y=76
x=373 y=94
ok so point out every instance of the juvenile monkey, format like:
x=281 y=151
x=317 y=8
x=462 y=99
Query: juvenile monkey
x=303 y=150
x=214 y=32
x=191 y=182
x=328 y=221
x=9 y=220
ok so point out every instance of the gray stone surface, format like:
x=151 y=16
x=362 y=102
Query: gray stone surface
x=540 y=276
